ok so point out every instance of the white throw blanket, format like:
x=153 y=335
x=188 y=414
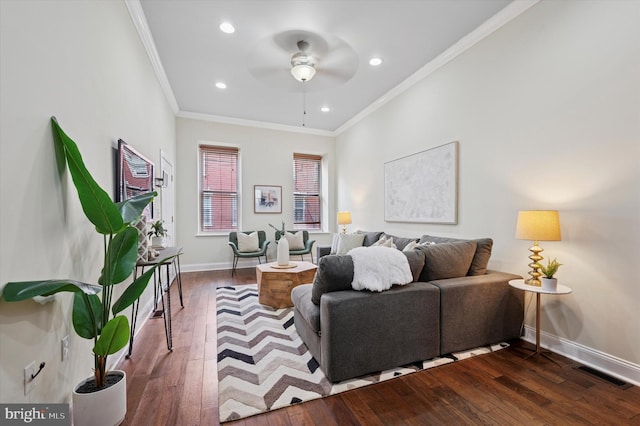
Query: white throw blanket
x=378 y=268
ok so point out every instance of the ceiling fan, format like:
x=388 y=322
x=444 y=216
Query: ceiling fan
x=328 y=60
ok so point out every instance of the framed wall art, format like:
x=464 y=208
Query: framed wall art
x=423 y=187
x=267 y=199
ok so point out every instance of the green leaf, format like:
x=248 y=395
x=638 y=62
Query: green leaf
x=133 y=291
x=121 y=257
x=114 y=336
x=17 y=291
x=87 y=310
x=96 y=203
x=131 y=209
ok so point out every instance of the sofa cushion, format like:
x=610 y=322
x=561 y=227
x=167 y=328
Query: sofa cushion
x=416 y=262
x=334 y=273
x=447 y=260
x=301 y=298
x=370 y=237
x=480 y=258
x=342 y=243
x=401 y=242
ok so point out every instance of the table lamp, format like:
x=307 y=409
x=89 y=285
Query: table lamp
x=344 y=219
x=537 y=225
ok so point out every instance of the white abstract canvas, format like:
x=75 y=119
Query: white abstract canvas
x=423 y=187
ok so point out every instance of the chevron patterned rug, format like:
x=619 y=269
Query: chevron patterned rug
x=263 y=364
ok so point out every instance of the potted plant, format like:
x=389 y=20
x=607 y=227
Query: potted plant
x=158 y=233
x=96 y=315
x=548 y=281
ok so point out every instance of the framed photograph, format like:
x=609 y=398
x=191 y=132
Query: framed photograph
x=267 y=199
x=423 y=187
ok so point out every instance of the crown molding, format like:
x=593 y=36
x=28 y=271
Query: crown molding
x=514 y=9
x=252 y=123
x=140 y=21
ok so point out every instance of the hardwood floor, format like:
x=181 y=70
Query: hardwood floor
x=502 y=388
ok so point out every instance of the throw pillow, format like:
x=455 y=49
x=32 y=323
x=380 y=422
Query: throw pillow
x=370 y=237
x=410 y=246
x=334 y=273
x=481 y=257
x=384 y=242
x=342 y=243
x=416 y=262
x=401 y=242
x=295 y=240
x=447 y=260
x=248 y=243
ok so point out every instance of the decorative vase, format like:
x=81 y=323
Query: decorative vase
x=283 y=251
x=104 y=407
x=550 y=284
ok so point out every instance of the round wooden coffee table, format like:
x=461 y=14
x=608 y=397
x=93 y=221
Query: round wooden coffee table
x=275 y=284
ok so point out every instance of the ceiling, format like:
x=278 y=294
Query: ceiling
x=254 y=61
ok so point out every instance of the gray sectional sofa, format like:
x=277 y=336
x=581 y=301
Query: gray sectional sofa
x=454 y=304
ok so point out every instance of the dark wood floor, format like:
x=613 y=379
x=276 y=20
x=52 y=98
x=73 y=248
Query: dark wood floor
x=180 y=387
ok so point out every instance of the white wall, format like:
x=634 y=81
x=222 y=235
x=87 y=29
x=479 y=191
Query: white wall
x=266 y=158
x=83 y=62
x=547 y=112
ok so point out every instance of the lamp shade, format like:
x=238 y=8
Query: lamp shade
x=538 y=225
x=344 y=218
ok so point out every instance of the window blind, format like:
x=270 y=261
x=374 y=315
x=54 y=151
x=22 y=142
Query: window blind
x=306 y=191
x=218 y=188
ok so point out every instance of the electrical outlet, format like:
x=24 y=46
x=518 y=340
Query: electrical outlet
x=29 y=371
x=64 y=347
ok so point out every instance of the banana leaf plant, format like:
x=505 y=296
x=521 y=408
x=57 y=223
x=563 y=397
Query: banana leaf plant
x=95 y=314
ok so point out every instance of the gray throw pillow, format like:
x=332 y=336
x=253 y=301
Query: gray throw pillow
x=370 y=237
x=335 y=273
x=480 y=258
x=447 y=260
x=416 y=262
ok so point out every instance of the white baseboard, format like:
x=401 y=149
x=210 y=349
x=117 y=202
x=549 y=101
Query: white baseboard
x=609 y=364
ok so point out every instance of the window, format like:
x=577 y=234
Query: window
x=306 y=191
x=218 y=188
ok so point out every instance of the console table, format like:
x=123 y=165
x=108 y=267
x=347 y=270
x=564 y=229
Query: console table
x=519 y=284
x=158 y=287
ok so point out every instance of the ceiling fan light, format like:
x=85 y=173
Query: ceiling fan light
x=303 y=72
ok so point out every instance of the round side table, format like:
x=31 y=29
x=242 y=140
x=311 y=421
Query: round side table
x=520 y=284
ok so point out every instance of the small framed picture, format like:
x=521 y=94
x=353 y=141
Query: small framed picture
x=267 y=199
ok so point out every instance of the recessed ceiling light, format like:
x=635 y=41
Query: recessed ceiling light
x=325 y=109
x=227 y=28
x=375 y=61
x=221 y=85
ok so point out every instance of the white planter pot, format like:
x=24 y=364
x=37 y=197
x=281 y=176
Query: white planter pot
x=106 y=407
x=158 y=242
x=550 y=284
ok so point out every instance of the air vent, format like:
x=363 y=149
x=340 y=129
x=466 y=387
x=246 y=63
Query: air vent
x=604 y=376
